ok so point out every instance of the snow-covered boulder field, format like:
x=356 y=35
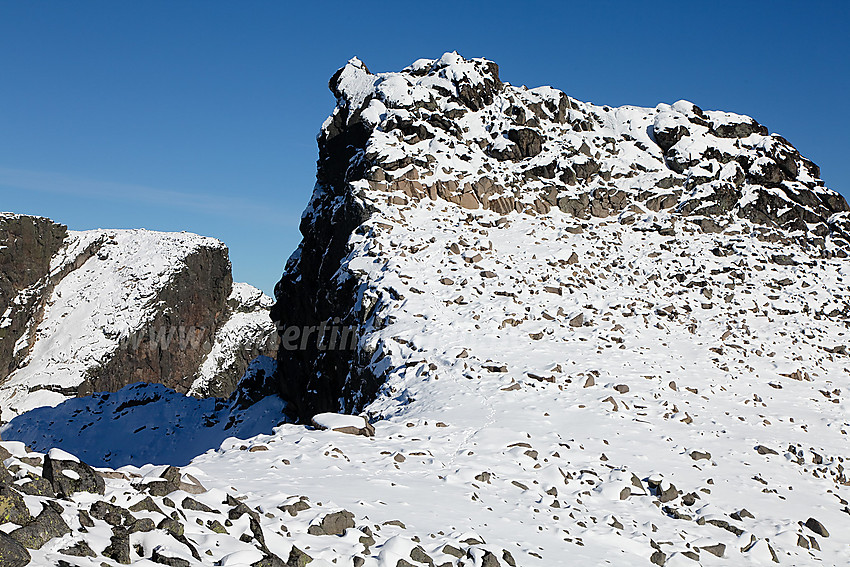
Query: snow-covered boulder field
x=93 y=311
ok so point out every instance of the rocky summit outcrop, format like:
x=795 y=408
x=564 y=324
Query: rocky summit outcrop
x=611 y=335
x=96 y=310
x=451 y=130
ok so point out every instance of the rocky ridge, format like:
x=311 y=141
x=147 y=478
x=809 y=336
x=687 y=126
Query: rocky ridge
x=97 y=310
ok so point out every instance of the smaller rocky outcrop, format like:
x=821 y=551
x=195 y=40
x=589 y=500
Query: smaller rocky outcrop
x=130 y=306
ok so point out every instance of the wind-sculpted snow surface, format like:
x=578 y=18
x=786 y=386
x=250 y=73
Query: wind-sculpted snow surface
x=586 y=334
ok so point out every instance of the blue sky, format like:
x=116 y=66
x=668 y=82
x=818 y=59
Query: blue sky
x=202 y=115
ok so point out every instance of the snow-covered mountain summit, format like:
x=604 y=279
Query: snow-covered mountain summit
x=628 y=324
x=86 y=311
x=449 y=130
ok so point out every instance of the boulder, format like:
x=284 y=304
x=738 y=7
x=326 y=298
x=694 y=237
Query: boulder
x=298 y=558
x=13 y=508
x=333 y=524
x=172 y=480
x=351 y=424
x=162 y=557
x=529 y=143
x=35 y=486
x=79 y=549
x=67 y=475
x=46 y=526
x=111 y=514
x=816 y=527
x=119 y=546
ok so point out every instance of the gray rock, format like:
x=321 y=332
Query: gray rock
x=293 y=509
x=669 y=494
x=142 y=525
x=269 y=560
x=333 y=524
x=46 y=526
x=12 y=507
x=12 y=553
x=816 y=527
x=192 y=504
x=171 y=525
x=418 y=554
x=717 y=549
x=762 y=450
x=147 y=504
x=160 y=556
x=79 y=549
x=36 y=486
x=298 y=558
x=111 y=514
x=119 y=546
x=453 y=551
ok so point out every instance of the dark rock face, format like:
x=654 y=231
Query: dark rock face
x=195 y=299
x=304 y=298
x=27 y=245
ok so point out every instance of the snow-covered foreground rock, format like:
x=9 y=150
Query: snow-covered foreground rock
x=96 y=310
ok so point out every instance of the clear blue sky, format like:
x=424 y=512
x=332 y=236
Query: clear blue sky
x=202 y=115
